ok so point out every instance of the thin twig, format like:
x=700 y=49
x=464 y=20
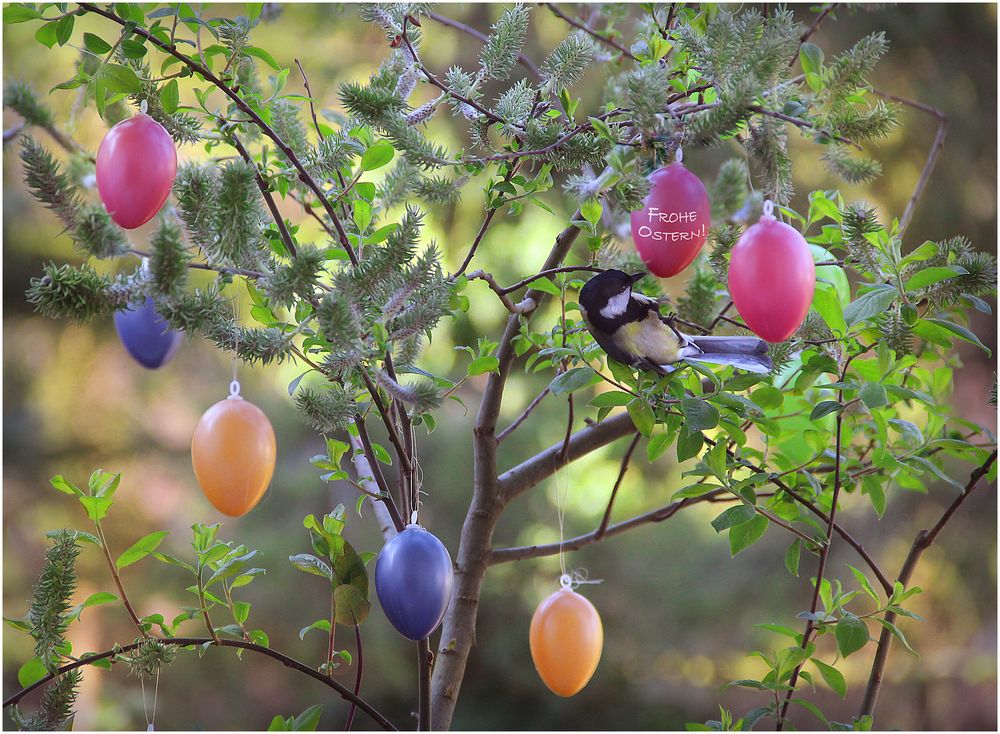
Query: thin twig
x=939 y=137
x=579 y=24
x=808 y=32
x=469 y=30
x=550 y=271
x=118 y=581
x=424 y=661
x=287 y=661
x=312 y=106
x=603 y=527
x=524 y=415
x=360 y=655
x=501 y=294
x=924 y=540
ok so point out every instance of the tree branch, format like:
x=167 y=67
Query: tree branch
x=506 y=555
x=529 y=473
x=287 y=661
x=924 y=540
x=524 y=415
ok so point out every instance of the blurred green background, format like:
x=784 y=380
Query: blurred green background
x=679 y=613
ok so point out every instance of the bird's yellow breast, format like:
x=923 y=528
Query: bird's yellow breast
x=650 y=338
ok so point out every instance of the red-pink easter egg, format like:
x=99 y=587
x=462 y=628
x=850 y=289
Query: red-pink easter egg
x=674 y=220
x=136 y=165
x=772 y=278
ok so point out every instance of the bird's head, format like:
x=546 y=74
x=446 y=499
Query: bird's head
x=608 y=293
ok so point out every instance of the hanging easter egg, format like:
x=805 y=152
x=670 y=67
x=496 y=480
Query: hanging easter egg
x=136 y=165
x=566 y=640
x=146 y=335
x=772 y=278
x=673 y=222
x=413 y=580
x=233 y=453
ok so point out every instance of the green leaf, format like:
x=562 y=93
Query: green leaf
x=897 y=633
x=96 y=44
x=811 y=58
x=258 y=52
x=141 y=548
x=308 y=720
x=745 y=534
x=792 y=556
x=733 y=516
x=170 y=96
x=65 y=486
x=312 y=564
x=767 y=397
x=96 y=507
x=377 y=155
x=118 y=78
x=693 y=490
x=611 y=399
x=482 y=365
x=873 y=395
x=33 y=670
x=46 y=35
x=572 y=380
x=865 y=584
x=833 y=677
x=929 y=276
x=688 y=444
x=547 y=286
x=241 y=610
x=132 y=49
x=827 y=305
x=642 y=416
x=700 y=414
x=871 y=304
x=591 y=210
x=319 y=624
x=825 y=408
x=64 y=29
x=872 y=486
x=101 y=597
x=352 y=606
x=20 y=13
x=961 y=332
x=851 y=633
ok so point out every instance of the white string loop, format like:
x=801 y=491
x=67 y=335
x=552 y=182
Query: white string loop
x=679 y=154
x=769 y=208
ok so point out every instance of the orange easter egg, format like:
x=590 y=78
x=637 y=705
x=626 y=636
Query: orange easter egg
x=566 y=640
x=233 y=452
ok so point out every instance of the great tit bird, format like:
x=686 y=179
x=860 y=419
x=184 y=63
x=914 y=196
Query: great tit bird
x=629 y=327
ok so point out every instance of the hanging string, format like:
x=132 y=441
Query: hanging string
x=679 y=154
x=143 y=106
x=156 y=691
x=769 y=208
x=234 y=386
x=567 y=579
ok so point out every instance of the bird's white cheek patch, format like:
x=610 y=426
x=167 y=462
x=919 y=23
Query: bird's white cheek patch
x=617 y=305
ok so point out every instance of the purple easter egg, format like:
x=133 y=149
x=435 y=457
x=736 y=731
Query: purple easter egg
x=146 y=335
x=413 y=580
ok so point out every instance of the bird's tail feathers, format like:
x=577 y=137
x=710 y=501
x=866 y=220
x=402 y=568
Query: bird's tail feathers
x=729 y=344
x=749 y=362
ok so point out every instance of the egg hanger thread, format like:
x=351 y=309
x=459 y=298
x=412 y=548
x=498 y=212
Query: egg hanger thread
x=769 y=208
x=234 y=385
x=150 y=719
x=679 y=154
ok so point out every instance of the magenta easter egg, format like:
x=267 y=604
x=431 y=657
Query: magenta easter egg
x=772 y=278
x=673 y=222
x=136 y=165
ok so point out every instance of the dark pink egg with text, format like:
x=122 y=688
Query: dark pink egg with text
x=674 y=220
x=771 y=279
x=136 y=165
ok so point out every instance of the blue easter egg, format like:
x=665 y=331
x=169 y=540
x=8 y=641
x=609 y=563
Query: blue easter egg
x=413 y=580
x=146 y=335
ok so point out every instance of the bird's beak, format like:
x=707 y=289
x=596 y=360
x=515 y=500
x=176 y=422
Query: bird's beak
x=633 y=279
